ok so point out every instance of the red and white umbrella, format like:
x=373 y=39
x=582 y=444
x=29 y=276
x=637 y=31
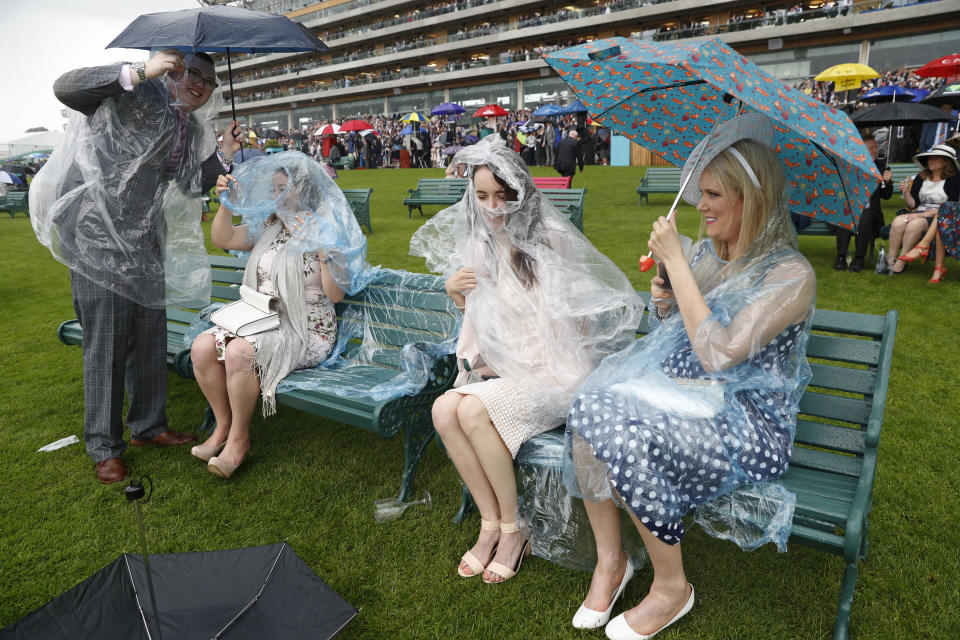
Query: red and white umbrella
x=329 y=130
x=355 y=125
x=945 y=67
x=490 y=111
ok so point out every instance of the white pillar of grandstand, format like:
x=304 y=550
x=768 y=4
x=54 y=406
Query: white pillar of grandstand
x=520 y=94
x=865 y=52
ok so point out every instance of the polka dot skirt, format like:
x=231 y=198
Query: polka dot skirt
x=663 y=464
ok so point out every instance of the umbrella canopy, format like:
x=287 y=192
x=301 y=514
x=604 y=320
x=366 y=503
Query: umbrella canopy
x=889 y=93
x=848 y=75
x=296 y=135
x=447 y=109
x=329 y=130
x=355 y=125
x=490 y=111
x=547 y=110
x=222 y=28
x=898 y=113
x=920 y=94
x=947 y=94
x=470 y=139
x=271 y=133
x=668 y=96
x=9 y=178
x=248 y=154
x=414 y=116
x=406 y=130
x=574 y=107
x=451 y=150
x=218 y=28
x=256 y=592
x=369 y=132
x=945 y=67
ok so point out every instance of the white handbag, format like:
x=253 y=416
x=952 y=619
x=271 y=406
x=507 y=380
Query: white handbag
x=253 y=313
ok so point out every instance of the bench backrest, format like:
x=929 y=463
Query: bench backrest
x=14 y=198
x=442 y=186
x=399 y=308
x=841 y=410
x=663 y=176
x=358 y=197
x=558 y=182
x=901 y=170
x=569 y=202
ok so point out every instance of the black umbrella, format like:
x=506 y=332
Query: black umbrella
x=947 y=94
x=255 y=592
x=296 y=135
x=897 y=113
x=218 y=28
x=271 y=133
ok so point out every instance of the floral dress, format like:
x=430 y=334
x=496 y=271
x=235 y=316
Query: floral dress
x=320 y=312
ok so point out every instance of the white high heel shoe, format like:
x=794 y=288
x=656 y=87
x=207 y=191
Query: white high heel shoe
x=586 y=618
x=618 y=629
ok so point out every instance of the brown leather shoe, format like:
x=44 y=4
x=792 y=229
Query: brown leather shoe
x=111 y=470
x=166 y=439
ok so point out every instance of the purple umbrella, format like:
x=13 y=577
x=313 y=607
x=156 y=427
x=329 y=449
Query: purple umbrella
x=470 y=139
x=447 y=109
x=452 y=149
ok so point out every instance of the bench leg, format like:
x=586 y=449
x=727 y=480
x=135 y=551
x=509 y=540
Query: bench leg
x=209 y=422
x=846 y=601
x=466 y=505
x=416 y=437
x=409 y=212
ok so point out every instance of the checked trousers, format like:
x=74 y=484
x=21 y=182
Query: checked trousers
x=124 y=349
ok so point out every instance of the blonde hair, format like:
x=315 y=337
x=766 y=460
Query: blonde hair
x=758 y=204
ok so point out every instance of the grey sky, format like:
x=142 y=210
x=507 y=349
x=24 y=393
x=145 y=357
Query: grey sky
x=44 y=38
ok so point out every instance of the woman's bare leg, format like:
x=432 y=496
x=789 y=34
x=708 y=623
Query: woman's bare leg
x=497 y=465
x=243 y=389
x=460 y=450
x=669 y=591
x=611 y=559
x=211 y=376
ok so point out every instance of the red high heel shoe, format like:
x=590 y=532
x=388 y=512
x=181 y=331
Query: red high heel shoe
x=922 y=251
x=938 y=270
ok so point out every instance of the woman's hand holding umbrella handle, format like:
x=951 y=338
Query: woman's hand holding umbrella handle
x=665 y=241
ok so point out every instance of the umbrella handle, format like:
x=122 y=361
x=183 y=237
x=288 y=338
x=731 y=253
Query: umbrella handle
x=646 y=262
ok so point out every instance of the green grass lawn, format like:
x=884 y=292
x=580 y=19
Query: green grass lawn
x=312 y=482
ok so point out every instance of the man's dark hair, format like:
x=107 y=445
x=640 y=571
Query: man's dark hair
x=868 y=136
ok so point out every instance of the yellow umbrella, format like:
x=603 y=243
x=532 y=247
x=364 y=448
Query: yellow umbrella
x=848 y=75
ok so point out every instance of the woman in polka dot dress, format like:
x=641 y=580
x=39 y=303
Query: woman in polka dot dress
x=708 y=400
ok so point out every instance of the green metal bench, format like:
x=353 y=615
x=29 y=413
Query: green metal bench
x=343 y=162
x=359 y=200
x=408 y=308
x=833 y=464
x=435 y=191
x=569 y=202
x=15 y=202
x=659 y=180
x=901 y=170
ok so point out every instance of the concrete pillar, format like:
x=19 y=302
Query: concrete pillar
x=290 y=119
x=384 y=105
x=519 y=94
x=865 y=52
x=333 y=111
x=446 y=94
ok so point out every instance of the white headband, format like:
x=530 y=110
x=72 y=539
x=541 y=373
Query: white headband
x=746 y=166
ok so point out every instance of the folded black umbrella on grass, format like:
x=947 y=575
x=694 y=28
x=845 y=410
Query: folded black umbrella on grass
x=254 y=592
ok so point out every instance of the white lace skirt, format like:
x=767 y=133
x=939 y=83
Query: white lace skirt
x=518 y=411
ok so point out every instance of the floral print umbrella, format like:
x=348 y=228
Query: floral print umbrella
x=668 y=96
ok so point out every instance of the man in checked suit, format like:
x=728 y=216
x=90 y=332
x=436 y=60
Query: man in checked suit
x=131 y=152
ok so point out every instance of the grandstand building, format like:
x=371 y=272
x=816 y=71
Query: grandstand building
x=393 y=56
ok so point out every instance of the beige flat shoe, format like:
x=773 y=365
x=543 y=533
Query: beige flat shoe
x=221 y=468
x=503 y=570
x=205 y=452
x=472 y=562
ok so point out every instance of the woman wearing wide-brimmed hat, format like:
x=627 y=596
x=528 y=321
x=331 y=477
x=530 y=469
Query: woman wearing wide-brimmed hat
x=936 y=184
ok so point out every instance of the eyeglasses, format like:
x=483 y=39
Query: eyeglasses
x=197 y=78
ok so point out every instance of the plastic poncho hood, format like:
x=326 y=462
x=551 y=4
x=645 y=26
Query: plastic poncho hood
x=294 y=187
x=547 y=305
x=109 y=206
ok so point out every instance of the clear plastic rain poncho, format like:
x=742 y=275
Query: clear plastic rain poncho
x=671 y=423
x=107 y=206
x=310 y=194
x=548 y=306
x=329 y=225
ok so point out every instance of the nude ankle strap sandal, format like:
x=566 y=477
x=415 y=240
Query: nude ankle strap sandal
x=502 y=570
x=471 y=560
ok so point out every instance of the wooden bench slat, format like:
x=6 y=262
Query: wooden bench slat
x=860 y=324
x=848 y=350
x=825 y=461
x=832 y=407
x=829 y=436
x=847 y=379
x=820 y=483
